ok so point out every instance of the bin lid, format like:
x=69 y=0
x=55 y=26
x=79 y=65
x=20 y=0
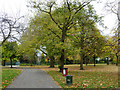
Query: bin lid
x=65 y=68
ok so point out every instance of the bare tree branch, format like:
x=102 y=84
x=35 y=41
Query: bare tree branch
x=80 y=7
x=54 y=21
x=68 y=6
x=54 y=33
x=42 y=10
x=16 y=39
x=9 y=26
x=49 y=12
x=72 y=24
x=43 y=51
x=53 y=18
x=3 y=33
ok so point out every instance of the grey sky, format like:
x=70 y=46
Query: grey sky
x=18 y=8
x=13 y=7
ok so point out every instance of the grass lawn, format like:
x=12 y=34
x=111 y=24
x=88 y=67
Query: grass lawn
x=8 y=76
x=101 y=76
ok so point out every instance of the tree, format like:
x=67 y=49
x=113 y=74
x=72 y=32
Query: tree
x=63 y=17
x=115 y=47
x=45 y=40
x=114 y=7
x=85 y=35
x=9 y=51
x=98 y=42
x=9 y=28
x=27 y=46
x=107 y=49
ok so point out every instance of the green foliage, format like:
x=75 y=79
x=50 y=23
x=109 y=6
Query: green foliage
x=101 y=62
x=9 y=50
x=65 y=31
x=27 y=49
x=25 y=64
x=60 y=67
x=113 y=62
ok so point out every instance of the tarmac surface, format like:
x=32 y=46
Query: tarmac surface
x=33 y=78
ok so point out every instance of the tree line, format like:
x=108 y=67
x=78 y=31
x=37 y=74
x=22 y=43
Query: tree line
x=66 y=30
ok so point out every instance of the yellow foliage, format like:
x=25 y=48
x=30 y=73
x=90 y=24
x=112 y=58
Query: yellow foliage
x=3 y=58
x=57 y=45
x=78 y=56
x=46 y=60
x=70 y=58
x=114 y=59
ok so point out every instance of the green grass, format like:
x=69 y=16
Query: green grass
x=8 y=75
x=87 y=79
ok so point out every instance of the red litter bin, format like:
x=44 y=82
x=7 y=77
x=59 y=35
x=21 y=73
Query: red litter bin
x=65 y=71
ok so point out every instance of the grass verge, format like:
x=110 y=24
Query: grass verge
x=8 y=75
x=87 y=79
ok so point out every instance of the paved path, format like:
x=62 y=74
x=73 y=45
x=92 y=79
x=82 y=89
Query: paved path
x=33 y=78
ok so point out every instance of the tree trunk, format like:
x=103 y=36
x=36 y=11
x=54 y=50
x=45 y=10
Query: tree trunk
x=35 y=60
x=86 y=62
x=117 y=59
x=107 y=61
x=81 y=61
x=31 y=62
x=52 y=59
x=81 y=64
x=11 y=62
x=4 y=62
x=94 y=60
x=82 y=52
x=62 y=59
x=63 y=51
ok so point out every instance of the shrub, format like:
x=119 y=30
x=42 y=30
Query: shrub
x=101 y=62
x=25 y=64
x=113 y=62
x=60 y=67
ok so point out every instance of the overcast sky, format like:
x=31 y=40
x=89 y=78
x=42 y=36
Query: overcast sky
x=18 y=8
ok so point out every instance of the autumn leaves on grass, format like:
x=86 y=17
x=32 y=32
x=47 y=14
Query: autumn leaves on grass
x=8 y=76
x=89 y=79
